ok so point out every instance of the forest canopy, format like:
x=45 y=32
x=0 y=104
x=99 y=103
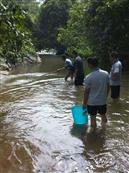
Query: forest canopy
x=15 y=33
x=87 y=26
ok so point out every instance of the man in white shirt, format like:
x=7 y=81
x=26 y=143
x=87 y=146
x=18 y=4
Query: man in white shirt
x=115 y=76
x=68 y=66
x=96 y=92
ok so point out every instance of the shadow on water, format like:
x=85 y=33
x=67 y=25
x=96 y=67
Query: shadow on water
x=78 y=131
x=95 y=150
x=95 y=141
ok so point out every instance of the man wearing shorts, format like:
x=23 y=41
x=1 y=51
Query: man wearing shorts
x=96 y=92
x=115 y=76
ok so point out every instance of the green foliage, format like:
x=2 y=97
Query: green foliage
x=53 y=14
x=73 y=36
x=87 y=26
x=97 y=27
x=15 y=38
x=107 y=26
x=31 y=7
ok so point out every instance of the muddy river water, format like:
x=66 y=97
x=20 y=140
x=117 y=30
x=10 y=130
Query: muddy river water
x=36 y=132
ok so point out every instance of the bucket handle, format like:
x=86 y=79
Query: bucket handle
x=84 y=109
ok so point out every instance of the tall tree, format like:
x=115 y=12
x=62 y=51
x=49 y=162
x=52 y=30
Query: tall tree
x=101 y=25
x=31 y=7
x=74 y=36
x=53 y=14
x=15 y=37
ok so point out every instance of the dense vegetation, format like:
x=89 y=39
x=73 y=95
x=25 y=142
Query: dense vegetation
x=88 y=26
x=53 y=15
x=97 y=27
x=15 y=34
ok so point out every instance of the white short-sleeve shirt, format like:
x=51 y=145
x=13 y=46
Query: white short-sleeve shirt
x=97 y=81
x=116 y=68
x=68 y=61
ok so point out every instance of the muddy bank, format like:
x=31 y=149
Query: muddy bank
x=5 y=68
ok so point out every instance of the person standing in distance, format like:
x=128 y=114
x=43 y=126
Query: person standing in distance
x=78 y=69
x=115 y=75
x=96 y=92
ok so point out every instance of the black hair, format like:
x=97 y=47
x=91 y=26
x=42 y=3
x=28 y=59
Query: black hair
x=93 y=61
x=114 y=54
x=75 y=53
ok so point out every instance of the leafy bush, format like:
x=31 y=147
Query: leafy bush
x=15 y=37
x=97 y=27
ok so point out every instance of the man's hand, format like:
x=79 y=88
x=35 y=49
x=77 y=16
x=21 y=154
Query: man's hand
x=84 y=107
x=85 y=98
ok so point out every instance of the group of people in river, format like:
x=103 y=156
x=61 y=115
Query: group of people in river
x=97 y=84
x=74 y=70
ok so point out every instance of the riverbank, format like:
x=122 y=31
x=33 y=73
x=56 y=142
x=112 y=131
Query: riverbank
x=6 y=68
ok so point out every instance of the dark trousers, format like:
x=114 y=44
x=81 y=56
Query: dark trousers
x=115 y=91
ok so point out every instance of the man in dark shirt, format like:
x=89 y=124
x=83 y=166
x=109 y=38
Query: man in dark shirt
x=78 y=70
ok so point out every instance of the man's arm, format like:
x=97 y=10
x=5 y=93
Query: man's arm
x=60 y=69
x=86 y=96
x=108 y=89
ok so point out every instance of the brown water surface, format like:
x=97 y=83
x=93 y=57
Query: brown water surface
x=36 y=133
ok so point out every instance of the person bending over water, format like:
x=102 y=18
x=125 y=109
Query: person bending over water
x=68 y=66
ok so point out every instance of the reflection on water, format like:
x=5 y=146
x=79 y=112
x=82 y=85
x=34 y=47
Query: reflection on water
x=79 y=131
x=36 y=127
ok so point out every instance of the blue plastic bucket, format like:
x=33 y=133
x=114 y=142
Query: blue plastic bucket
x=79 y=114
